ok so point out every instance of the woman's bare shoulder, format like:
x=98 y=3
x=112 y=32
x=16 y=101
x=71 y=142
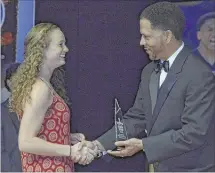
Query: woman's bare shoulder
x=40 y=92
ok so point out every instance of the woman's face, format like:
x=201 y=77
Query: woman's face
x=56 y=51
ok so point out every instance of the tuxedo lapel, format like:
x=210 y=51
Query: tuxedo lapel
x=169 y=82
x=146 y=88
x=163 y=93
x=149 y=92
x=153 y=88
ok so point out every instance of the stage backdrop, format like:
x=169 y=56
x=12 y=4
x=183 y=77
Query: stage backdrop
x=8 y=30
x=16 y=19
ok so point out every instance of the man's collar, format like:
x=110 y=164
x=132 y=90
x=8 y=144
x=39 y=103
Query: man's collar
x=172 y=58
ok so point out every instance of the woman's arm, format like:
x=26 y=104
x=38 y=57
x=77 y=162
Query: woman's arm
x=31 y=123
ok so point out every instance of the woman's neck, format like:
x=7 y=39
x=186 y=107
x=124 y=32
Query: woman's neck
x=46 y=73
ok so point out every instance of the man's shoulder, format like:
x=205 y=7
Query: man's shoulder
x=195 y=69
x=147 y=69
x=5 y=106
x=196 y=64
x=5 y=112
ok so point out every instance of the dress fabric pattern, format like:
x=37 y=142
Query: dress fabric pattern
x=55 y=129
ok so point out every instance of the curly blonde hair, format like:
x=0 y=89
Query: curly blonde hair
x=25 y=77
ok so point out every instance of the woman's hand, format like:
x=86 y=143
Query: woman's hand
x=76 y=137
x=75 y=152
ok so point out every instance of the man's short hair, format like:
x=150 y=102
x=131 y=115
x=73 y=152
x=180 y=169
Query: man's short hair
x=203 y=19
x=165 y=16
x=9 y=73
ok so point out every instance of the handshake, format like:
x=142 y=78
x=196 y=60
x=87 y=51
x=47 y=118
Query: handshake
x=82 y=151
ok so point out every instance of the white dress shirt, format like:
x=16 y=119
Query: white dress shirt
x=171 y=59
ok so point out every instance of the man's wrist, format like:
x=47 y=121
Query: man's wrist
x=101 y=149
x=141 y=146
x=99 y=145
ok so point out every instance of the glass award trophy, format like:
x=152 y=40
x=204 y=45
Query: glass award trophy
x=120 y=129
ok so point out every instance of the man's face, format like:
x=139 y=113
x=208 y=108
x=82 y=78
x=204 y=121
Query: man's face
x=206 y=35
x=152 y=40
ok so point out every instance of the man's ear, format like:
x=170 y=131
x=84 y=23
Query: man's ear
x=168 y=36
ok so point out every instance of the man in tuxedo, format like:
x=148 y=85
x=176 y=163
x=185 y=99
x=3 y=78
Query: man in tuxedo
x=10 y=155
x=175 y=101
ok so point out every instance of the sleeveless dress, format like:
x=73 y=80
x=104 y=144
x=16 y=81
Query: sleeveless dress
x=55 y=129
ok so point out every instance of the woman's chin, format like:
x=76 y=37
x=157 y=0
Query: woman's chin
x=61 y=63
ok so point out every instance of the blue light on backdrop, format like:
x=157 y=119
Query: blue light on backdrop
x=25 y=21
x=2 y=13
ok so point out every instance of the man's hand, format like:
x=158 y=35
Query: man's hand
x=93 y=148
x=81 y=154
x=76 y=137
x=87 y=156
x=89 y=144
x=127 y=148
x=89 y=152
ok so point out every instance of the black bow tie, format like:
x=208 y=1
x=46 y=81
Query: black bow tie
x=160 y=65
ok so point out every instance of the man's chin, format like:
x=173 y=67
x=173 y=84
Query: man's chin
x=152 y=58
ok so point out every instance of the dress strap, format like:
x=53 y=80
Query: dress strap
x=48 y=84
